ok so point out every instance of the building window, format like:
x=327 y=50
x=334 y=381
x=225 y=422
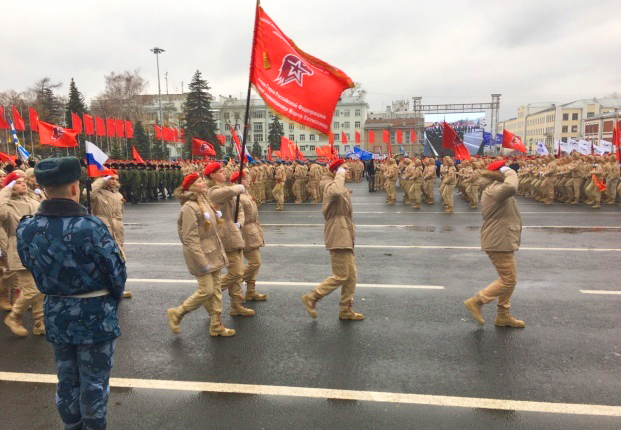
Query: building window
x=337 y=137
x=565 y=117
x=302 y=137
x=346 y=113
x=336 y=125
x=564 y=129
x=564 y=139
x=347 y=136
x=303 y=148
x=590 y=114
x=311 y=137
x=227 y=115
x=236 y=115
x=574 y=128
x=292 y=137
x=346 y=124
x=257 y=127
x=574 y=117
x=312 y=147
x=357 y=124
x=258 y=138
x=336 y=114
x=357 y=112
x=257 y=114
x=291 y=127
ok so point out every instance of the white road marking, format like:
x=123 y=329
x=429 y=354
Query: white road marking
x=294 y=284
x=573 y=226
x=603 y=292
x=316 y=245
x=323 y=393
x=431 y=227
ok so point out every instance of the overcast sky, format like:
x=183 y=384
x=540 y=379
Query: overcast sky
x=445 y=51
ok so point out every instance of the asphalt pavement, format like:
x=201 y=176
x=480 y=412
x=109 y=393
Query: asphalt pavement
x=417 y=362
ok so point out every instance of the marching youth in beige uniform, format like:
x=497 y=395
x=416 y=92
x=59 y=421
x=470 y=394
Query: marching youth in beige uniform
x=204 y=255
x=339 y=235
x=500 y=238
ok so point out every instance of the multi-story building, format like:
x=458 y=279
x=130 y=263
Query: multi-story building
x=599 y=127
x=349 y=116
x=377 y=126
x=549 y=122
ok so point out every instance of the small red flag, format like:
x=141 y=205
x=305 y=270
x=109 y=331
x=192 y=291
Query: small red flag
x=287 y=149
x=76 y=123
x=385 y=136
x=599 y=184
x=616 y=139
x=158 y=132
x=33 y=119
x=18 y=121
x=7 y=158
x=461 y=152
x=136 y=155
x=293 y=83
x=89 y=127
x=399 y=136
x=343 y=137
x=4 y=125
x=129 y=129
x=111 y=126
x=371 y=137
x=221 y=139
x=358 y=137
x=101 y=126
x=511 y=141
x=53 y=135
x=120 y=132
x=449 y=137
x=413 y=137
x=202 y=148
x=269 y=153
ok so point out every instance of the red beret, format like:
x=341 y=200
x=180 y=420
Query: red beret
x=212 y=167
x=13 y=176
x=235 y=176
x=335 y=164
x=189 y=179
x=496 y=165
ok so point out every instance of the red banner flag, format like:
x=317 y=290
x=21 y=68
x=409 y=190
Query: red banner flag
x=292 y=82
x=76 y=122
x=399 y=136
x=136 y=155
x=385 y=136
x=53 y=135
x=358 y=137
x=413 y=137
x=101 y=126
x=120 y=130
x=33 y=119
x=129 y=129
x=221 y=139
x=89 y=126
x=449 y=137
x=18 y=121
x=7 y=158
x=158 y=132
x=616 y=139
x=4 y=125
x=371 y=137
x=461 y=152
x=511 y=141
x=343 y=137
x=201 y=148
x=287 y=149
x=599 y=184
x=269 y=153
x=111 y=127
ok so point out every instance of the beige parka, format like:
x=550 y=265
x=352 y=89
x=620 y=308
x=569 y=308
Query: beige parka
x=12 y=208
x=339 y=230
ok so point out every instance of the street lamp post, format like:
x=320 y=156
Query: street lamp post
x=157 y=51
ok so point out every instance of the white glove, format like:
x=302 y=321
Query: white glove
x=0 y=253
x=219 y=214
x=107 y=178
x=10 y=185
x=238 y=225
x=341 y=170
x=504 y=169
x=207 y=216
x=37 y=191
x=239 y=189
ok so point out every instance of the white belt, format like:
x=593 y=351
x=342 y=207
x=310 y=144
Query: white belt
x=92 y=294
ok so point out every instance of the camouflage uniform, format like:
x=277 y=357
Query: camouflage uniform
x=82 y=331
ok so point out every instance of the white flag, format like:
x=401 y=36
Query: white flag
x=542 y=149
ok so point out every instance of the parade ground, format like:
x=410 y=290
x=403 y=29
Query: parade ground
x=418 y=360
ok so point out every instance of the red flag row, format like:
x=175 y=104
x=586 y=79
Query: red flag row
x=386 y=136
x=169 y=134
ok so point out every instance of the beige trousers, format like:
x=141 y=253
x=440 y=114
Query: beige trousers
x=344 y=276
x=8 y=282
x=29 y=295
x=430 y=189
x=612 y=189
x=279 y=195
x=208 y=294
x=576 y=183
x=415 y=192
x=447 y=194
x=251 y=270
x=390 y=190
x=234 y=273
x=473 y=193
x=501 y=288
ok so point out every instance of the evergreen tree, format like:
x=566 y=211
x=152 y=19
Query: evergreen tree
x=276 y=133
x=160 y=151
x=116 y=152
x=256 y=151
x=198 y=118
x=76 y=103
x=50 y=107
x=141 y=141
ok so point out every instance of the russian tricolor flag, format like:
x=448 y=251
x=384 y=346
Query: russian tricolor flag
x=95 y=159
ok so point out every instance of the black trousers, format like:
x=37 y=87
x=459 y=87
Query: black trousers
x=371 y=179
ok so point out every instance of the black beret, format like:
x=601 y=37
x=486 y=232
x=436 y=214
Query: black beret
x=58 y=171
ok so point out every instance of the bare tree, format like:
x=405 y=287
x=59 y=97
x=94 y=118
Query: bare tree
x=121 y=97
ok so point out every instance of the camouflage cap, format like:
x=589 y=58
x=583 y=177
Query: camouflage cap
x=58 y=171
